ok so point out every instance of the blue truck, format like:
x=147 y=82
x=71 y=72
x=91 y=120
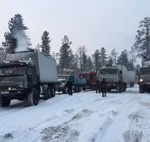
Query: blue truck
x=62 y=83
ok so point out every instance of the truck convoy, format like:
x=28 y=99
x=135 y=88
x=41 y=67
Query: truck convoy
x=116 y=77
x=63 y=78
x=26 y=76
x=144 y=76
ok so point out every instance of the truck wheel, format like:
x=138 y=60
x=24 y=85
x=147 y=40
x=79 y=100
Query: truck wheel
x=4 y=101
x=141 y=89
x=53 y=91
x=46 y=95
x=118 y=89
x=33 y=97
x=65 y=90
x=76 y=89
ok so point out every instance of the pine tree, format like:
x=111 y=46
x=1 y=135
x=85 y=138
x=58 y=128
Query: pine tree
x=38 y=47
x=89 y=64
x=96 y=60
x=110 y=61
x=85 y=68
x=103 y=56
x=65 y=50
x=45 y=46
x=2 y=54
x=75 y=64
x=81 y=50
x=113 y=56
x=123 y=59
x=142 y=39
x=16 y=37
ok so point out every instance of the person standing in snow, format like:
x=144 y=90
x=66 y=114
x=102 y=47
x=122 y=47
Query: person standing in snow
x=69 y=85
x=97 y=86
x=104 y=87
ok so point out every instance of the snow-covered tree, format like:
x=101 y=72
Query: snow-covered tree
x=113 y=56
x=64 y=53
x=16 y=36
x=82 y=49
x=96 y=60
x=142 y=39
x=103 y=56
x=85 y=63
x=89 y=64
x=123 y=58
x=45 y=46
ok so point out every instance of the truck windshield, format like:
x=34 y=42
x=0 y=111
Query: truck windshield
x=145 y=71
x=87 y=76
x=12 y=70
x=108 y=71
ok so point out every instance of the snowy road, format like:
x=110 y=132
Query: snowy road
x=83 y=117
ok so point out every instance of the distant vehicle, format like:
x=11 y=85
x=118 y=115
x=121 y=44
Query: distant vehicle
x=144 y=76
x=90 y=80
x=63 y=78
x=61 y=86
x=26 y=76
x=115 y=76
x=131 y=78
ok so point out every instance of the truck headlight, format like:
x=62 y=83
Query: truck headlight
x=141 y=80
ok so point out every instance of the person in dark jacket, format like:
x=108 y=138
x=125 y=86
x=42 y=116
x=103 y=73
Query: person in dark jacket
x=69 y=85
x=103 y=87
x=97 y=86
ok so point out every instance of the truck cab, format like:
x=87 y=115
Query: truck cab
x=90 y=78
x=144 y=79
x=116 y=77
x=112 y=75
x=16 y=79
x=26 y=76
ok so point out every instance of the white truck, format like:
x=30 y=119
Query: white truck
x=131 y=78
x=26 y=76
x=115 y=76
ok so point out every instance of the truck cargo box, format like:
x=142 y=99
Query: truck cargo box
x=45 y=66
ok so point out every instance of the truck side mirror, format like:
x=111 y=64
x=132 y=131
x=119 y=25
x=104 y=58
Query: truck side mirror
x=120 y=72
x=137 y=72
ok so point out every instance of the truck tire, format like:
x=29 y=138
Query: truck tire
x=65 y=90
x=53 y=91
x=46 y=95
x=141 y=89
x=84 y=88
x=118 y=89
x=76 y=89
x=4 y=101
x=33 y=97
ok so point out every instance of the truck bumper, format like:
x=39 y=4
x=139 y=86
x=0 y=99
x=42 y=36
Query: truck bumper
x=59 y=89
x=112 y=85
x=147 y=85
x=13 y=93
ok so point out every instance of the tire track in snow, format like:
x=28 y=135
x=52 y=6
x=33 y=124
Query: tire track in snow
x=134 y=133
x=112 y=131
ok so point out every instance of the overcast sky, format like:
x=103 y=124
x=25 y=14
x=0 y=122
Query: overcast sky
x=93 y=23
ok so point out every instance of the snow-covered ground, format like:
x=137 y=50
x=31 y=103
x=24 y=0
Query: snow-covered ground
x=83 y=117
